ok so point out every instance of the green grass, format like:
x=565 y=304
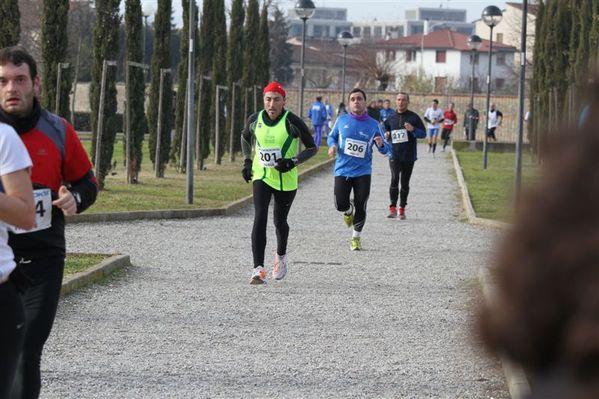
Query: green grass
x=216 y=186
x=491 y=190
x=76 y=262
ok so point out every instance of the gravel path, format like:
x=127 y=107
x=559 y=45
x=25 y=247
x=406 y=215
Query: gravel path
x=391 y=321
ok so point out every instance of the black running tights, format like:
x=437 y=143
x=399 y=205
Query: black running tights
x=40 y=301
x=12 y=332
x=361 y=187
x=283 y=201
x=400 y=171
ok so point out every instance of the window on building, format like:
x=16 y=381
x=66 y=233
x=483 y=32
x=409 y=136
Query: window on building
x=318 y=31
x=500 y=38
x=378 y=31
x=389 y=55
x=440 y=83
x=440 y=56
x=475 y=58
x=500 y=59
x=499 y=83
x=410 y=55
x=357 y=31
x=366 y=32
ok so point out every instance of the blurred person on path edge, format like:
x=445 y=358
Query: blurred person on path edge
x=545 y=312
x=318 y=115
x=328 y=125
x=352 y=140
x=63 y=184
x=433 y=116
x=402 y=129
x=274 y=132
x=450 y=119
x=16 y=209
x=386 y=110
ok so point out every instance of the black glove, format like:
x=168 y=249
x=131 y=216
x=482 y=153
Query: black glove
x=284 y=165
x=246 y=172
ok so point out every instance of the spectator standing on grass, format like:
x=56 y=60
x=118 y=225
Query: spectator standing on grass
x=64 y=185
x=471 y=117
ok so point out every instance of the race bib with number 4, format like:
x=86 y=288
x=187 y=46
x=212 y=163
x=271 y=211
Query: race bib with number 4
x=355 y=148
x=399 y=136
x=269 y=156
x=42 y=199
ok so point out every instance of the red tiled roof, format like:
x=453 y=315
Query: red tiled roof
x=443 y=39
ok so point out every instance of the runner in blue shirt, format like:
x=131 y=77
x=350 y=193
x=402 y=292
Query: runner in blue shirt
x=352 y=140
x=386 y=111
x=318 y=115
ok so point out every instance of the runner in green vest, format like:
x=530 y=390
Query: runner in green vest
x=273 y=134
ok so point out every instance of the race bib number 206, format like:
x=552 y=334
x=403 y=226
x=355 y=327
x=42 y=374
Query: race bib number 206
x=355 y=148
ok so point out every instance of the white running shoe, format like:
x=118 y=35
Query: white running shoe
x=280 y=269
x=259 y=275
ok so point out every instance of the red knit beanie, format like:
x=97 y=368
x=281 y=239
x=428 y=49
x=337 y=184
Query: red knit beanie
x=274 y=86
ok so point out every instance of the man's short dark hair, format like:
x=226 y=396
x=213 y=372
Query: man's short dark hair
x=403 y=93
x=319 y=98
x=18 y=55
x=436 y=101
x=357 y=90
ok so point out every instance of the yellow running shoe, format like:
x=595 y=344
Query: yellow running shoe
x=348 y=219
x=356 y=245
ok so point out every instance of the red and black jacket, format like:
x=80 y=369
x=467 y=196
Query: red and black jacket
x=58 y=159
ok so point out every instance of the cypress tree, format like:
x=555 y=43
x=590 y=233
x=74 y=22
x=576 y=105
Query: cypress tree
x=573 y=32
x=10 y=28
x=581 y=61
x=594 y=39
x=538 y=91
x=182 y=72
x=105 y=45
x=264 y=70
x=561 y=64
x=251 y=51
x=219 y=75
x=134 y=51
x=161 y=60
x=280 y=51
x=205 y=55
x=54 y=50
x=234 y=70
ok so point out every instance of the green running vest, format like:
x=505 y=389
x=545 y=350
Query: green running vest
x=272 y=143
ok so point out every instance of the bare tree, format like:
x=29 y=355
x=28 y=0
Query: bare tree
x=376 y=70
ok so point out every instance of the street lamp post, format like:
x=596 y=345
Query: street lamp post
x=474 y=42
x=345 y=39
x=304 y=10
x=491 y=16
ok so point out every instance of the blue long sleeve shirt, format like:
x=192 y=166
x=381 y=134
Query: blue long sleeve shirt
x=354 y=138
x=317 y=113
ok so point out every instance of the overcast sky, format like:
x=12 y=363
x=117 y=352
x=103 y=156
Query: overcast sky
x=361 y=10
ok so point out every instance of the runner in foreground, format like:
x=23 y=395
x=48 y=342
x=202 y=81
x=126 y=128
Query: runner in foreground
x=273 y=171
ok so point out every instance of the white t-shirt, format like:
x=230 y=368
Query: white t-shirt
x=13 y=157
x=431 y=114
